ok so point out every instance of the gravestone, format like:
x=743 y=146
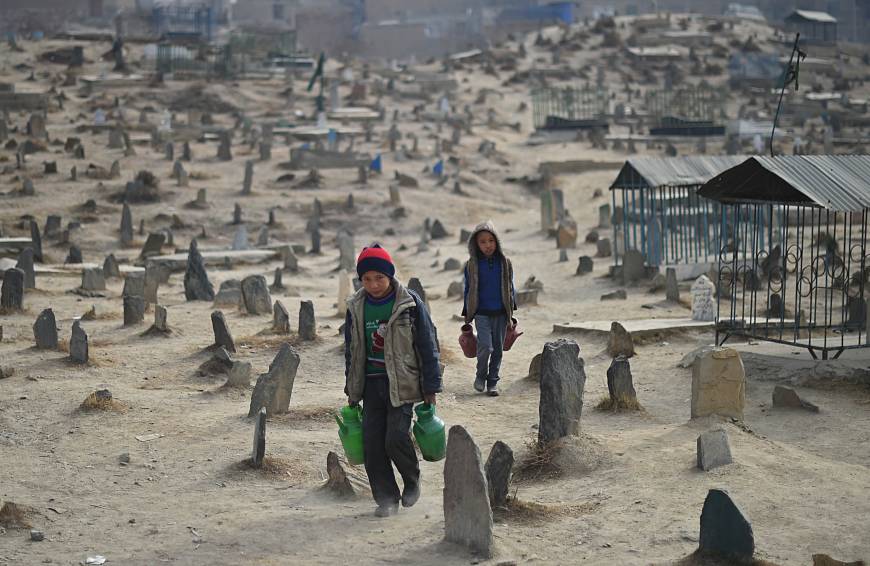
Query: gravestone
x=275 y=387
x=153 y=245
x=725 y=532
x=498 y=469
x=237 y=214
x=346 y=251
x=126 y=226
x=563 y=256
x=566 y=232
x=288 y=256
x=45 y=330
x=169 y=151
x=222 y=336
x=315 y=240
x=134 y=309
x=74 y=256
x=277 y=281
x=713 y=449
x=225 y=152
x=186 y=153
x=259 y=451
x=562 y=383
x=344 y=286
x=78 y=344
x=229 y=294
x=584 y=265
x=36 y=242
x=93 y=279
x=633 y=268
x=619 y=382
x=160 y=320
x=467 y=512
x=263 y=237
x=703 y=299
x=25 y=264
x=134 y=285
x=415 y=285
x=672 y=289
x=197 y=286
x=52 y=226
x=12 y=293
x=27 y=188
x=604 y=216
x=240 y=240
x=718 y=384
x=249 y=178
x=395 y=195
x=111 y=268
x=280 y=318
x=619 y=341
x=307 y=322
x=151 y=284
x=603 y=248
x=438 y=231
x=255 y=295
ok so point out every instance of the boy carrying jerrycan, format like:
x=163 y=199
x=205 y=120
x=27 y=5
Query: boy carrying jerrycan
x=391 y=363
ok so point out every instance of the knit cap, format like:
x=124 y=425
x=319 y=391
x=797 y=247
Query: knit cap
x=375 y=258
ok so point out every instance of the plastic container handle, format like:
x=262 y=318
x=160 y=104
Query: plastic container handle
x=341 y=426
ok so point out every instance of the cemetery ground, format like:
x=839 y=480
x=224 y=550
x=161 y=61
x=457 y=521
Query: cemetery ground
x=161 y=475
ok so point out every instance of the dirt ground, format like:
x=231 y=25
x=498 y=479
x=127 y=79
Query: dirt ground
x=187 y=497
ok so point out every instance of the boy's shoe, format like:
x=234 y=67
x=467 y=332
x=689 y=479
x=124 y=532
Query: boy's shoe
x=479 y=384
x=492 y=390
x=387 y=510
x=410 y=495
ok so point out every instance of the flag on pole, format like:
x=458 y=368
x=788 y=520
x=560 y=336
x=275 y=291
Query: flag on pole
x=376 y=165
x=438 y=169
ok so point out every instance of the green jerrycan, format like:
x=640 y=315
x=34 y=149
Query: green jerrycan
x=350 y=433
x=429 y=432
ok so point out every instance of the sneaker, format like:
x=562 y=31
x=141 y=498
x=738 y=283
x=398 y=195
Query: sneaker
x=492 y=390
x=387 y=510
x=479 y=384
x=410 y=495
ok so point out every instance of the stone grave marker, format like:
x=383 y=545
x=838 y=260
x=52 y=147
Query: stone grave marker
x=718 y=384
x=713 y=449
x=275 y=387
x=467 y=512
x=307 y=322
x=498 y=470
x=255 y=295
x=562 y=383
x=78 y=344
x=222 y=336
x=45 y=330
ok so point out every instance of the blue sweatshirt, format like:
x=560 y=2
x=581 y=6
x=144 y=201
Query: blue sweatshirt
x=489 y=286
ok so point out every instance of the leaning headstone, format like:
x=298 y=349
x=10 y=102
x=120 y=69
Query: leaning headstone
x=633 y=268
x=725 y=532
x=275 y=387
x=78 y=344
x=467 y=512
x=249 y=178
x=134 y=309
x=620 y=385
x=126 y=225
x=12 y=293
x=25 y=264
x=719 y=384
x=672 y=289
x=584 y=265
x=153 y=245
x=562 y=383
x=93 y=279
x=307 y=323
x=703 y=299
x=280 y=318
x=45 y=330
x=255 y=295
x=110 y=267
x=259 y=451
x=713 y=449
x=498 y=473
x=197 y=287
x=222 y=336
x=787 y=398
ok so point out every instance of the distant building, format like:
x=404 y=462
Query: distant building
x=817 y=27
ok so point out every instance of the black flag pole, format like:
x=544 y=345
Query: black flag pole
x=790 y=75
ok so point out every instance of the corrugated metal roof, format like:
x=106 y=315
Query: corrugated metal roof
x=814 y=16
x=835 y=182
x=649 y=172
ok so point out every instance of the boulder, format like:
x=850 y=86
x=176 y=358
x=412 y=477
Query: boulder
x=787 y=398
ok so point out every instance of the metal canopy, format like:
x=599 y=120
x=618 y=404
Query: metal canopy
x=686 y=171
x=835 y=182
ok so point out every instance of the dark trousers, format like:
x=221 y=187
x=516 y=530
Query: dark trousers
x=490 y=345
x=387 y=441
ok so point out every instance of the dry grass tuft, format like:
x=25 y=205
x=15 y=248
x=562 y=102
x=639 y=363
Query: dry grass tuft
x=620 y=404
x=568 y=456
x=94 y=403
x=278 y=468
x=518 y=511
x=539 y=462
x=63 y=345
x=14 y=516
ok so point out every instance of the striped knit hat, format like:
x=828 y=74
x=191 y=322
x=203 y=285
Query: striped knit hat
x=375 y=258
